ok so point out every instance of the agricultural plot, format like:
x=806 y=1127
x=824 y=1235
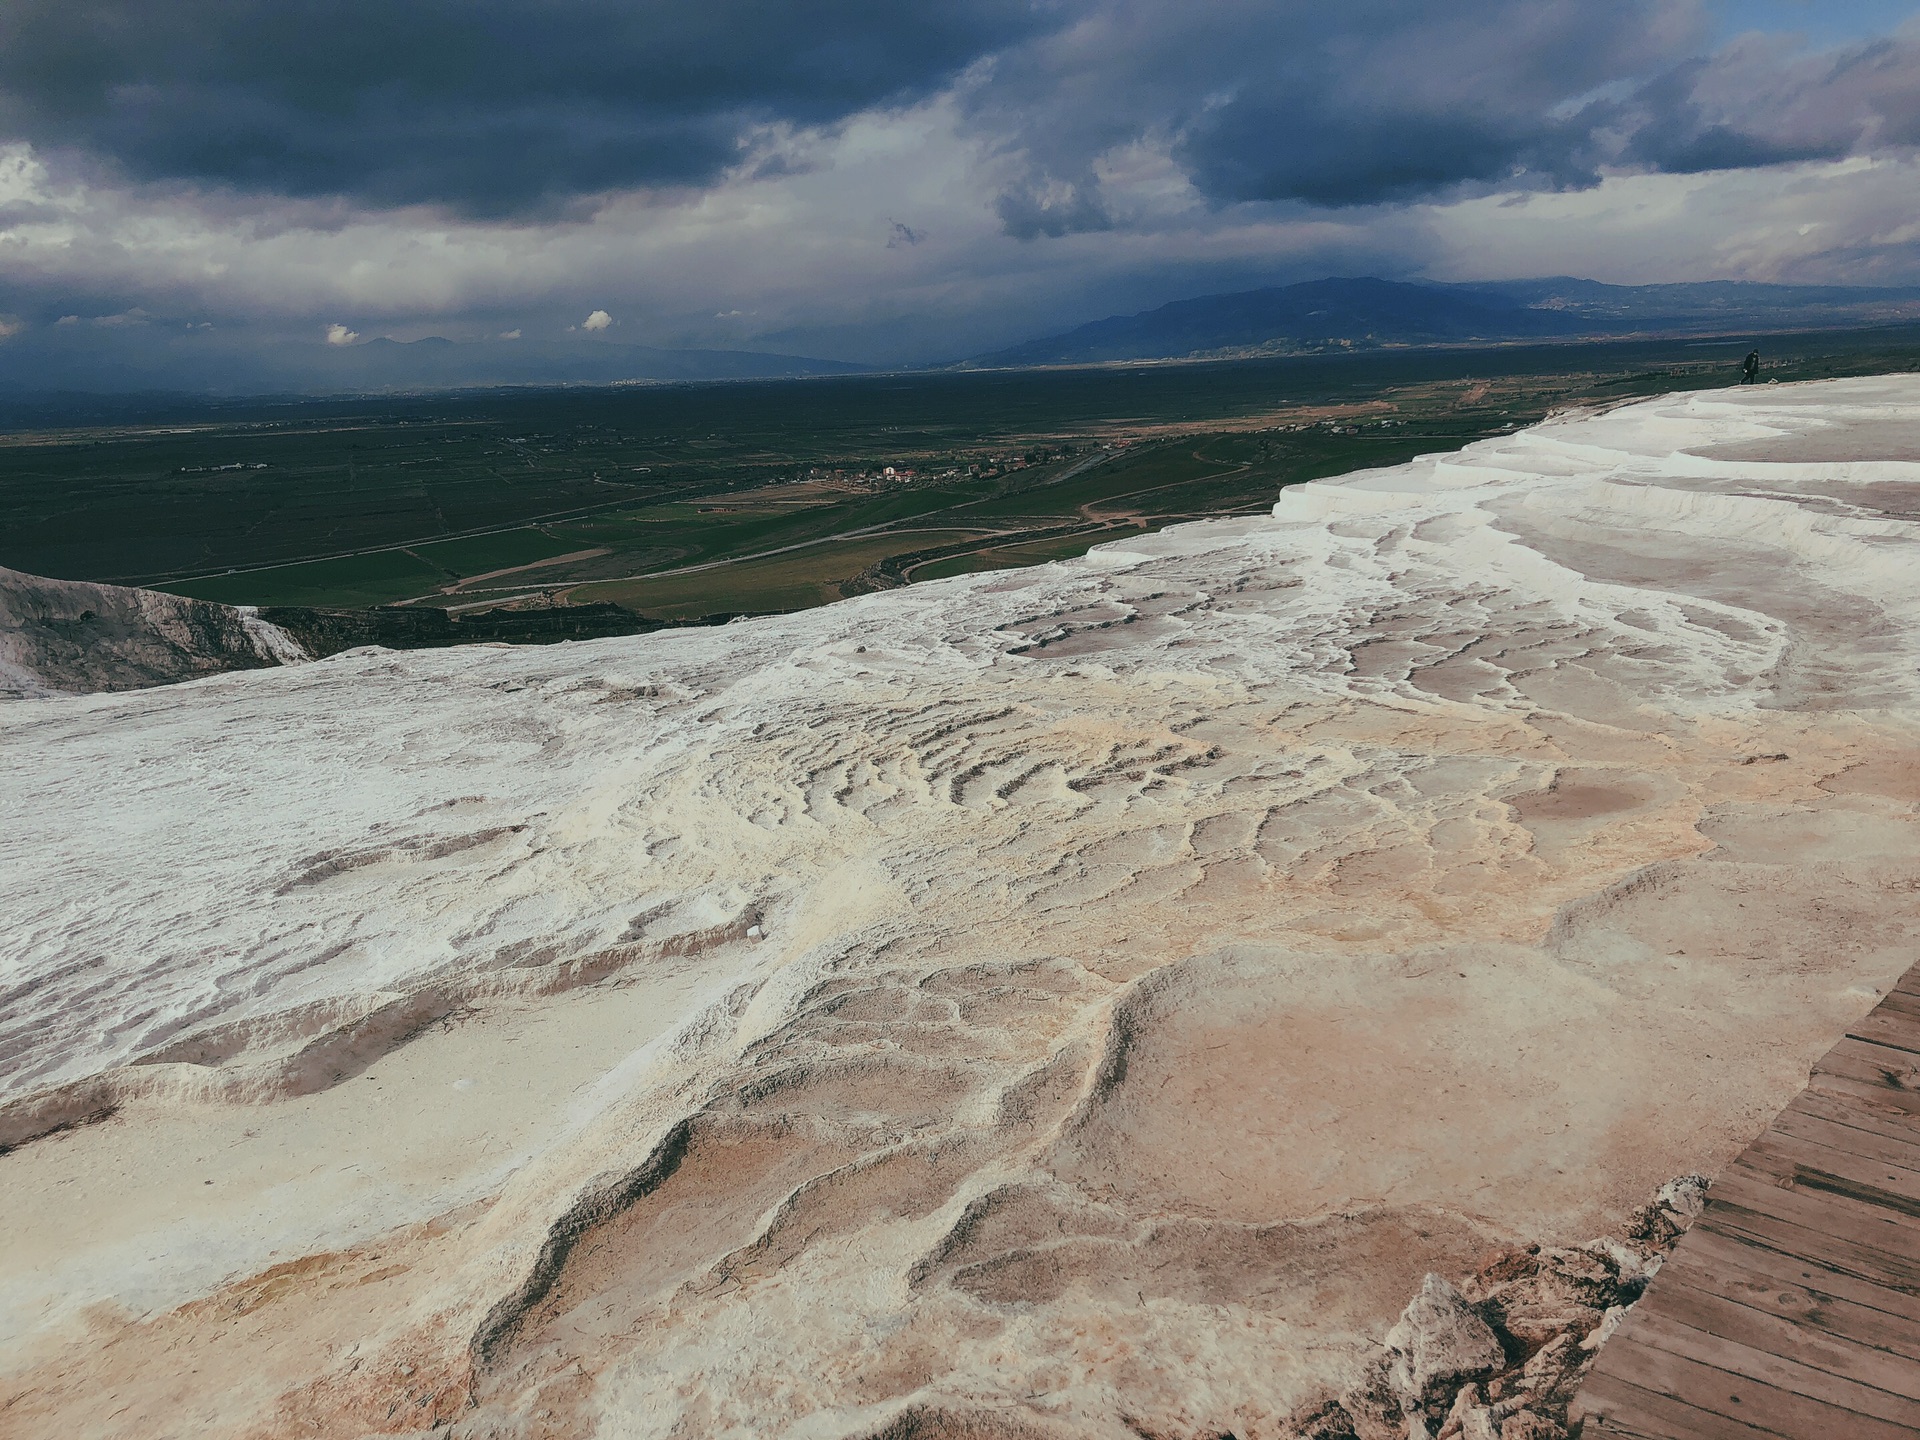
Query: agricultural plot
x=741 y=498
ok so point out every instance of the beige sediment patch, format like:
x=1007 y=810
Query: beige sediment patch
x=221 y=1366
x=1890 y=777
x=1578 y=796
x=1278 y=1120
x=314 y=1047
x=185 y=1197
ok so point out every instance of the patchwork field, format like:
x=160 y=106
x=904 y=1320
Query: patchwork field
x=746 y=498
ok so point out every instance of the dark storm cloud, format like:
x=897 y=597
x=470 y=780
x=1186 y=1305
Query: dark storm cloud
x=1384 y=101
x=1367 y=102
x=1053 y=207
x=491 y=106
x=1373 y=153
x=511 y=108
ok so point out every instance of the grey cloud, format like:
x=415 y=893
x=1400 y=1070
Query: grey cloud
x=1052 y=207
x=1468 y=93
x=1369 y=102
x=1377 y=102
x=500 y=109
x=492 y=107
x=1758 y=103
x=1371 y=154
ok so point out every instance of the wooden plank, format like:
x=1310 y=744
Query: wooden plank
x=1877 y=1114
x=1791 y=1309
x=1895 y=1060
x=1811 y=1163
x=1897 y=1011
x=1739 y=1397
x=1778 y=1152
x=1614 y=1405
x=1800 y=1223
x=1878 y=1216
x=1835 y=1304
x=1866 y=1143
x=1767 y=1279
x=1890 y=1028
x=1872 y=1092
x=1887 y=1241
x=1862 y=1262
x=1893 y=1075
x=1868 y=1150
x=1856 y=1113
x=1900 y=1002
x=1660 y=1328
x=1808 y=1338
x=1897 y=1001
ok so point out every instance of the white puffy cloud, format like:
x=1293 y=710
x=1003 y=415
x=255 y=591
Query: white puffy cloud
x=598 y=320
x=341 y=335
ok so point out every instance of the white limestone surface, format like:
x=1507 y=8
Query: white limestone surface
x=1079 y=1001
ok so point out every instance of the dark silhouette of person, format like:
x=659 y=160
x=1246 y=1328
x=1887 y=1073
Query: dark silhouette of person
x=1750 y=368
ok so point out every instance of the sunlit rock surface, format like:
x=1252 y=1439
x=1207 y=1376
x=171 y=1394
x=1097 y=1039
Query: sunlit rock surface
x=1076 y=1002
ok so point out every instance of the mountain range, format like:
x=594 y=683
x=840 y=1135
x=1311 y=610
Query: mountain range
x=146 y=356
x=1320 y=315
x=133 y=355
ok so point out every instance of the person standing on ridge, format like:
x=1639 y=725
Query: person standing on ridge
x=1750 y=368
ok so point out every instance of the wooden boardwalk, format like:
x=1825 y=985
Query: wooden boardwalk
x=1792 y=1307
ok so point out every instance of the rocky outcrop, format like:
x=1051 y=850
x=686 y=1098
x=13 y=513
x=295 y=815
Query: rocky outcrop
x=1439 y=1341
x=71 y=636
x=62 y=637
x=1500 y=1356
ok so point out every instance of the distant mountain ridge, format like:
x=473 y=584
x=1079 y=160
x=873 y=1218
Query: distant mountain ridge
x=159 y=357
x=1364 y=312
x=438 y=362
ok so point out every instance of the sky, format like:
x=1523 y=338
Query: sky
x=903 y=183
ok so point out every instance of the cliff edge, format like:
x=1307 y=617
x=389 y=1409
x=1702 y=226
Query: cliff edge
x=74 y=637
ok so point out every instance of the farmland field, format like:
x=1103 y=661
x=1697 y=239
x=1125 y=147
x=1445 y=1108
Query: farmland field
x=688 y=500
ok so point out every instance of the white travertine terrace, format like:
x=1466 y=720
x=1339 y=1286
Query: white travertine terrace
x=1080 y=1001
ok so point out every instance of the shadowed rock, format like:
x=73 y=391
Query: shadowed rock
x=71 y=636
